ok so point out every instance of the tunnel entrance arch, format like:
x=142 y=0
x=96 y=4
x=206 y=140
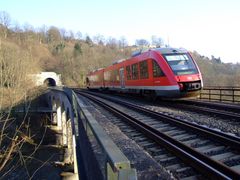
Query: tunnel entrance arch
x=49 y=82
x=47 y=79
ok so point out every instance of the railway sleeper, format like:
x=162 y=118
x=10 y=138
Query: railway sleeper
x=130 y=130
x=197 y=142
x=206 y=149
x=162 y=160
x=200 y=143
x=223 y=156
x=188 y=142
x=174 y=132
x=136 y=135
x=169 y=161
x=189 y=174
x=187 y=137
x=119 y=123
x=175 y=166
x=147 y=144
x=211 y=149
x=153 y=124
x=145 y=118
x=183 y=169
x=141 y=139
x=236 y=168
x=179 y=132
x=233 y=161
x=183 y=135
x=166 y=129
x=161 y=126
x=155 y=151
x=123 y=126
x=163 y=156
x=213 y=153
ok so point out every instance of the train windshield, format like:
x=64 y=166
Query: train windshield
x=181 y=64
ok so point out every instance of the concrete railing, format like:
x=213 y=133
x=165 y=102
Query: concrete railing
x=94 y=154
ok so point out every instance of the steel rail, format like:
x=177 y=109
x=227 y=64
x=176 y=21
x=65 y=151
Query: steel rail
x=216 y=105
x=207 y=110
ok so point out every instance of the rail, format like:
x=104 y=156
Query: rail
x=221 y=93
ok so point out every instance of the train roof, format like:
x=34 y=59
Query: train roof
x=171 y=50
x=166 y=50
x=118 y=61
x=99 y=69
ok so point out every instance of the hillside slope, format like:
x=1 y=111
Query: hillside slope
x=33 y=51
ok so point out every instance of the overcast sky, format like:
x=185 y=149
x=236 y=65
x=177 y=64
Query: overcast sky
x=211 y=27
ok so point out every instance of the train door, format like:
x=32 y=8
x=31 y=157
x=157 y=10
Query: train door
x=121 y=74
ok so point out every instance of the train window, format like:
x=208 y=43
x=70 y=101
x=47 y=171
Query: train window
x=143 y=69
x=116 y=75
x=181 y=64
x=135 y=71
x=112 y=78
x=107 y=75
x=157 y=71
x=128 y=69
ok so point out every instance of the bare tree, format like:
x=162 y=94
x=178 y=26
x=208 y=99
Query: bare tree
x=53 y=35
x=5 y=22
x=70 y=35
x=29 y=32
x=63 y=33
x=42 y=34
x=79 y=35
x=157 y=41
x=122 y=42
x=89 y=40
x=142 y=42
x=99 y=39
x=111 y=42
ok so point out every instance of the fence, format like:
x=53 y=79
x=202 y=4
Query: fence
x=221 y=93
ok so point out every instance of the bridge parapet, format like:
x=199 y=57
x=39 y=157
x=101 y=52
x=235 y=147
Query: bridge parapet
x=80 y=132
x=221 y=93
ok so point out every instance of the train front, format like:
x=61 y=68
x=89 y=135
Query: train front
x=186 y=72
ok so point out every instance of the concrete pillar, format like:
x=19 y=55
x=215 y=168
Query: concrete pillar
x=54 y=114
x=59 y=116
x=64 y=126
x=69 y=154
x=75 y=155
x=69 y=134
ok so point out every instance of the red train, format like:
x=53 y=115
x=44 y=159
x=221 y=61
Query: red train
x=164 y=72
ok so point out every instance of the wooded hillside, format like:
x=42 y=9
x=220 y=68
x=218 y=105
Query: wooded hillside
x=25 y=50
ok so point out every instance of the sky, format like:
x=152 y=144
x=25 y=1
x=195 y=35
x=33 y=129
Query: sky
x=210 y=27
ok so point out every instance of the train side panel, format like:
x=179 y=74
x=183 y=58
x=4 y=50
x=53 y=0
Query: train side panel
x=95 y=80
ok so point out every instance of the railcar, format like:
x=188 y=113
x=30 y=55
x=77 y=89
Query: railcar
x=163 y=72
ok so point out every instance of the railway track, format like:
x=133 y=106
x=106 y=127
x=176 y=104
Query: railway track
x=220 y=110
x=187 y=150
x=215 y=105
x=229 y=112
x=224 y=117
